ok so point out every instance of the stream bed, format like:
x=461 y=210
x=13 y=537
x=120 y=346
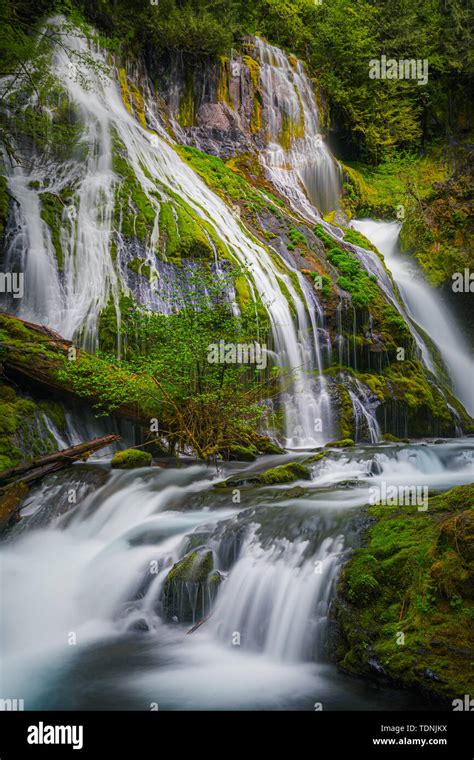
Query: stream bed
x=82 y=618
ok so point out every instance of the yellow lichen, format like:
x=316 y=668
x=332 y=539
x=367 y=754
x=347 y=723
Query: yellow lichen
x=138 y=103
x=124 y=89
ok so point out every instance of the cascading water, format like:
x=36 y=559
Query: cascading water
x=296 y=157
x=425 y=307
x=264 y=642
x=98 y=570
x=89 y=276
x=70 y=300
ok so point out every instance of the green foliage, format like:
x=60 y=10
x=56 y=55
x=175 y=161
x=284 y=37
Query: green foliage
x=396 y=182
x=201 y=404
x=337 y=39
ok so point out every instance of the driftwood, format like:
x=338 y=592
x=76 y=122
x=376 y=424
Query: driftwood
x=38 y=468
x=14 y=483
x=198 y=624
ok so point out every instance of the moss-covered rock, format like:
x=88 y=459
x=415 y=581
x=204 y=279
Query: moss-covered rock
x=242 y=453
x=394 y=439
x=11 y=498
x=343 y=444
x=405 y=603
x=130 y=458
x=24 y=433
x=285 y=473
x=190 y=587
x=316 y=457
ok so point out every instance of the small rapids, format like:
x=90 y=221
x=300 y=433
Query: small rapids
x=82 y=616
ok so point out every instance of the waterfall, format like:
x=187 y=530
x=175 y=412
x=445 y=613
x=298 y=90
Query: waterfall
x=96 y=569
x=366 y=425
x=277 y=599
x=296 y=158
x=426 y=308
x=71 y=301
x=68 y=297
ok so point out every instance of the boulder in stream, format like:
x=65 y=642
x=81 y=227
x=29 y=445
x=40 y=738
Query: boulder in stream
x=128 y=459
x=191 y=586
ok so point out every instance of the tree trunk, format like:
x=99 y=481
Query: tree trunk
x=14 y=482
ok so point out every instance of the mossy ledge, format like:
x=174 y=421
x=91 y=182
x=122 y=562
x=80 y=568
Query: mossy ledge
x=405 y=601
x=285 y=473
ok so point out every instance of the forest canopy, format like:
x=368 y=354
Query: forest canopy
x=336 y=38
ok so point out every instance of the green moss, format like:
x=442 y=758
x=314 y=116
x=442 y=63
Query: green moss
x=223 y=82
x=415 y=576
x=138 y=103
x=316 y=457
x=194 y=568
x=24 y=434
x=242 y=290
x=380 y=191
x=130 y=458
x=52 y=208
x=324 y=236
x=242 y=453
x=55 y=412
x=394 y=439
x=345 y=412
x=395 y=324
x=342 y=444
x=357 y=238
x=140 y=266
x=229 y=184
x=122 y=77
x=356 y=280
x=4 y=204
x=135 y=213
x=181 y=235
x=285 y=473
x=191 y=586
x=186 y=111
x=297 y=237
x=256 y=121
x=326 y=289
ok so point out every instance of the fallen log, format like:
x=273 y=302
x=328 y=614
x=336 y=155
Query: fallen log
x=38 y=468
x=34 y=356
x=14 y=483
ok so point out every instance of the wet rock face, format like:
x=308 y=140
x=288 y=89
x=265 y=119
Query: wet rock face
x=221 y=130
x=190 y=587
x=211 y=107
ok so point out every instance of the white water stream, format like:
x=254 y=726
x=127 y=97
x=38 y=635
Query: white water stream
x=82 y=594
x=302 y=167
x=426 y=307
